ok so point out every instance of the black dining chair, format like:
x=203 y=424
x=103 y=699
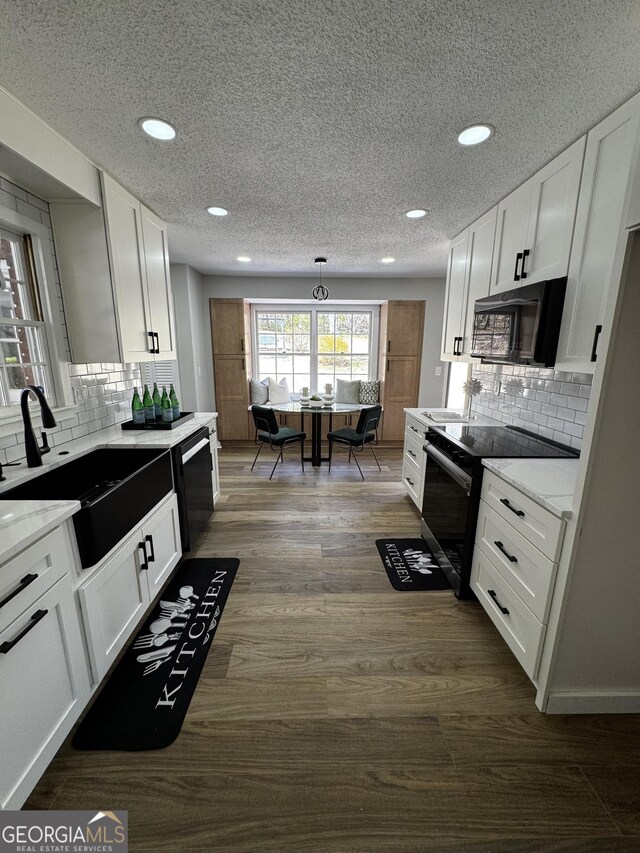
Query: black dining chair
x=268 y=432
x=365 y=433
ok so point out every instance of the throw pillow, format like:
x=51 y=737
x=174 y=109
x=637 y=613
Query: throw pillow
x=369 y=392
x=348 y=391
x=278 y=391
x=259 y=391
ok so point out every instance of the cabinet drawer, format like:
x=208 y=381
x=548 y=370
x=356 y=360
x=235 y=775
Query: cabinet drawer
x=30 y=574
x=412 y=481
x=528 y=572
x=413 y=449
x=414 y=428
x=535 y=523
x=520 y=629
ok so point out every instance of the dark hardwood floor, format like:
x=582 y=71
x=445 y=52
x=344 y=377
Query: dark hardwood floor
x=336 y=715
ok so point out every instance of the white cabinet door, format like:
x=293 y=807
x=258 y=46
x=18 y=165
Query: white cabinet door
x=554 y=199
x=45 y=685
x=454 y=299
x=156 y=256
x=113 y=600
x=126 y=252
x=479 y=263
x=535 y=224
x=512 y=227
x=598 y=232
x=161 y=535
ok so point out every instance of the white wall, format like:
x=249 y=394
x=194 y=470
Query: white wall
x=349 y=289
x=193 y=339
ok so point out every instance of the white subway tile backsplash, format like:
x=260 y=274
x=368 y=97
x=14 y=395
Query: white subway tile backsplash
x=551 y=403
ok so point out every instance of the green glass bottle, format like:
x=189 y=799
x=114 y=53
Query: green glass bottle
x=167 y=411
x=175 y=403
x=149 y=410
x=137 y=409
x=157 y=402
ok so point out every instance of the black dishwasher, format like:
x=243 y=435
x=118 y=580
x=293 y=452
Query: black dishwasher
x=192 y=469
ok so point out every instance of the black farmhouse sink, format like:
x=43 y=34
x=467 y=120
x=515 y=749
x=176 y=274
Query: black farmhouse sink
x=116 y=488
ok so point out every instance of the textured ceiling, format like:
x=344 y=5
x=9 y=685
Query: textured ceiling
x=318 y=123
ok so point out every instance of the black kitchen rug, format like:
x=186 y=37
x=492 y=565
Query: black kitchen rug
x=144 y=702
x=410 y=565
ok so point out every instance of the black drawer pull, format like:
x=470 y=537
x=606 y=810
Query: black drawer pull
x=144 y=563
x=516 y=277
x=594 y=348
x=152 y=558
x=508 y=506
x=411 y=483
x=525 y=255
x=501 y=547
x=24 y=583
x=153 y=344
x=411 y=453
x=37 y=616
x=493 y=595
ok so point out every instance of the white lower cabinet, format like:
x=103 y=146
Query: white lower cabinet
x=120 y=590
x=413 y=460
x=514 y=566
x=43 y=670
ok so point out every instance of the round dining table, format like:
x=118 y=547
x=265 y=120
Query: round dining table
x=316 y=414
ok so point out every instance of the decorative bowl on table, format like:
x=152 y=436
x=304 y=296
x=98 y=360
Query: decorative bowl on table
x=315 y=402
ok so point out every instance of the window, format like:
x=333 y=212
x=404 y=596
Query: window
x=22 y=343
x=315 y=346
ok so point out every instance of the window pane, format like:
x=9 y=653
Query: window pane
x=343 y=324
x=266 y=322
x=360 y=343
x=326 y=343
x=302 y=343
x=16 y=300
x=267 y=366
x=284 y=364
x=266 y=343
x=302 y=364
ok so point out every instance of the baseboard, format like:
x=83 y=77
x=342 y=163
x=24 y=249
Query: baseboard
x=583 y=702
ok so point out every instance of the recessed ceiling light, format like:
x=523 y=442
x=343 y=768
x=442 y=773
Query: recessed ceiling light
x=387 y=260
x=158 y=129
x=416 y=214
x=217 y=211
x=244 y=259
x=475 y=134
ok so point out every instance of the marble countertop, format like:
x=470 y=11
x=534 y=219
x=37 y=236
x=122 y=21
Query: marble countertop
x=549 y=482
x=422 y=415
x=23 y=522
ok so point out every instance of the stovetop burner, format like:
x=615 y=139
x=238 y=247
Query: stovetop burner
x=502 y=441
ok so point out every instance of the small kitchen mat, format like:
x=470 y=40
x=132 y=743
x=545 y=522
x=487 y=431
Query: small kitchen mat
x=410 y=565
x=144 y=702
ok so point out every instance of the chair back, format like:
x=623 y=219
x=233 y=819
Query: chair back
x=369 y=419
x=265 y=419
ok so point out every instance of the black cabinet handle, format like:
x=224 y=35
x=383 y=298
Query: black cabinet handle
x=456 y=350
x=24 y=583
x=516 y=277
x=144 y=564
x=157 y=343
x=493 y=595
x=388 y=346
x=37 y=616
x=594 y=348
x=501 y=547
x=508 y=506
x=411 y=453
x=152 y=349
x=525 y=255
x=241 y=344
x=152 y=558
x=411 y=483
x=387 y=367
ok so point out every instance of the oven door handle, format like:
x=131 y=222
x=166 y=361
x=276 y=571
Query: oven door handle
x=190 y=453
x=449 y=467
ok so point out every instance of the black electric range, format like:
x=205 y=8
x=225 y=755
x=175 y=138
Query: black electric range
x=453 y=483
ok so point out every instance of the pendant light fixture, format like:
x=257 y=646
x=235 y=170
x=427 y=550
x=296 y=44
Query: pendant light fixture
x=320 y=292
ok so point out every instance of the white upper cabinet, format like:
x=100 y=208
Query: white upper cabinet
x=468 y=279
x=535 y=224
x=598 y=235
x=454 y=300
x=114 y=272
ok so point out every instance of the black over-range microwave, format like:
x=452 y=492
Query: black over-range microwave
x=520 y=326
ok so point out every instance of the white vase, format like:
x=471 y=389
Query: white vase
x=328 y=399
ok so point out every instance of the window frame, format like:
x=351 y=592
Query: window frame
x=329 y=307
x=52 y=333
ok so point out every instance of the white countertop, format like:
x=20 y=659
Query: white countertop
x=422 y=415
x=549 y=482
x=23 y=522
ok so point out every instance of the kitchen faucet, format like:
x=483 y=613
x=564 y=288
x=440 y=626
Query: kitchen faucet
x=34 y=452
